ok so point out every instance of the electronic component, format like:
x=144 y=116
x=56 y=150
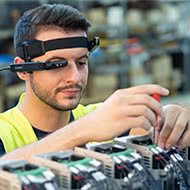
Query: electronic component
x=167 y=166
x=122 y=164
x=74 y=171
x=17 y=175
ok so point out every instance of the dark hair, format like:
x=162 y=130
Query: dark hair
x=59 y=15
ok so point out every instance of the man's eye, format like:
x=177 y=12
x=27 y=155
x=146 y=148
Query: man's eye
x=82 y=63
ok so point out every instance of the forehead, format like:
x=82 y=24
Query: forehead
x=55 y=33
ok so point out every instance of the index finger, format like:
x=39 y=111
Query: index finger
x=148 y=89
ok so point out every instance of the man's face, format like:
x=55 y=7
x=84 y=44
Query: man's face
x=63 y=87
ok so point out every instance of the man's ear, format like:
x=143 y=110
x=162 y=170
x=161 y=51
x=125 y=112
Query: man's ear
x=21 y=75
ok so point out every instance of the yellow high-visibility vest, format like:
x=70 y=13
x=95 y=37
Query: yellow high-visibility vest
x=16 y=131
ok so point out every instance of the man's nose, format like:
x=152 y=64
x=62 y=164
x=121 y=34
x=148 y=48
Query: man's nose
x=73 y=73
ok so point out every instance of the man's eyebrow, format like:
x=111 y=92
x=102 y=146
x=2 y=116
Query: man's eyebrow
x=55 y=57
x=83 y=56
x=62 y=58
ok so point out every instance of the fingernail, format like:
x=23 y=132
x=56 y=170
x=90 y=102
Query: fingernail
x=180 y=147
x=161 y=145
x=165 y=90
x=168 y=146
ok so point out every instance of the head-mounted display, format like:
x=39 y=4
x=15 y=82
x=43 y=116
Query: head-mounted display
x=35 y=48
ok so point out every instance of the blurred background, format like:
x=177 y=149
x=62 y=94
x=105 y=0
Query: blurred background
x=142 y=41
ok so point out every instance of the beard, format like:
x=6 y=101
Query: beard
x=45 y=96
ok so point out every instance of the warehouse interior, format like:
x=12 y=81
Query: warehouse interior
x=141 y=42
x=57 y=145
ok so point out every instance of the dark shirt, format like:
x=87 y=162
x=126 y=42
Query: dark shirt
x=39 y=133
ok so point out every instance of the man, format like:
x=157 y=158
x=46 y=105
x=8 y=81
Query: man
x=52 y=96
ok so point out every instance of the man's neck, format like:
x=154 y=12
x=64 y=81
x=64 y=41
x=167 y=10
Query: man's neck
x=42 y=116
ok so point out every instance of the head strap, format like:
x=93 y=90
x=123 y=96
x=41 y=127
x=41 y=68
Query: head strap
x=35 y=48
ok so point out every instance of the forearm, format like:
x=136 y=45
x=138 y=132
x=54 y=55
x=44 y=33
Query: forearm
x=63 y=139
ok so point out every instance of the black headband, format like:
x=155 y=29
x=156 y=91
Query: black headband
x=30 y=49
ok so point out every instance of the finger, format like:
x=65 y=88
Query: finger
x=148 y=89
x=146 y=100
x=170 y=120
x=141 y=110
x=141 y=121
x=131 y=122
x=177 y=131
x=185 y=140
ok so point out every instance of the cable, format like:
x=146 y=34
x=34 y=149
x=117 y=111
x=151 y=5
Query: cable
x=161 y=157
x=181 y=168
x=135 y=165
x=175 y=159
x=88 y=177
x=4 y=68
x=112 y=184
x=155 y=184
x=145 y=172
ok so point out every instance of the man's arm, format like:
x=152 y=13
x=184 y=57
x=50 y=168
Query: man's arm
x=123 y=110
x=63 y=139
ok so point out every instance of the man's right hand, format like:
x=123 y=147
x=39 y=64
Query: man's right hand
x=124 y=109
